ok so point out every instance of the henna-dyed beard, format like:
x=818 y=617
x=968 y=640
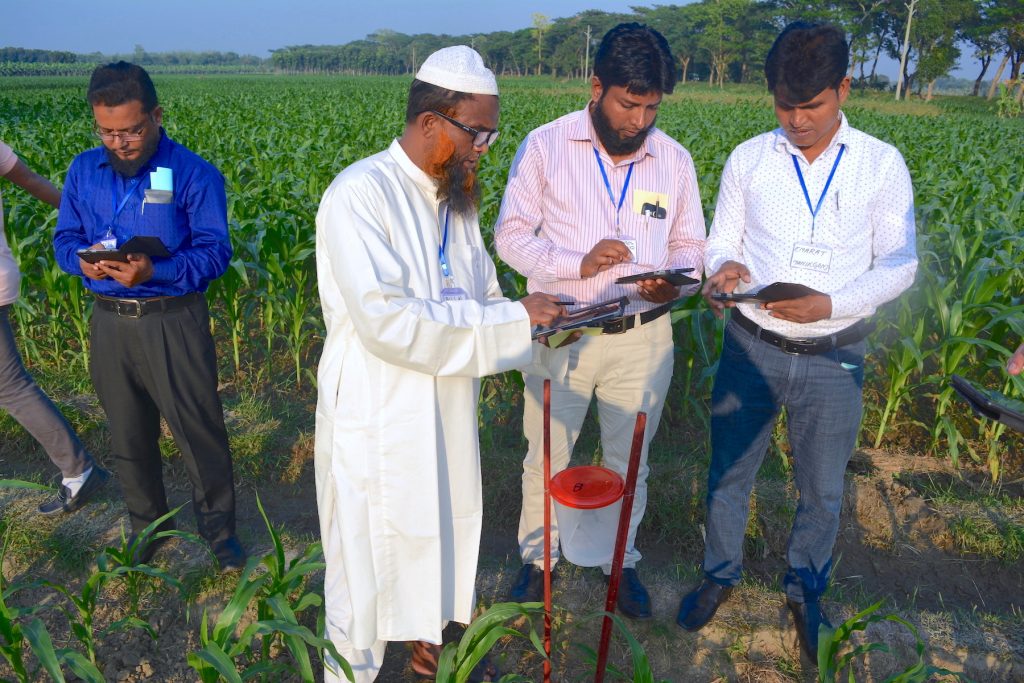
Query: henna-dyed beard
x=456 y=184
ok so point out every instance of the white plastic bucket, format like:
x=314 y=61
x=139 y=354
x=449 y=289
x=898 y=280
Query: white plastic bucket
x=587 y=501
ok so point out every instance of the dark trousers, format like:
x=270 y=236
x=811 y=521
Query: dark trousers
x=164 y=363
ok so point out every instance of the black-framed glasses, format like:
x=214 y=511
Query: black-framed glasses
x=481 y=138
x=133 y=135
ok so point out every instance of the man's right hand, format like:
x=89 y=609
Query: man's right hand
x=1016 y=362
x=604 y=255
x=542 y=308
x=91 y=270
x=725 y=279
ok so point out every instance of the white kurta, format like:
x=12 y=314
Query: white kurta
x=396 y=450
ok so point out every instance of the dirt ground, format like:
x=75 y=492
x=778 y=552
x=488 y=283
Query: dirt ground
x=892 y=546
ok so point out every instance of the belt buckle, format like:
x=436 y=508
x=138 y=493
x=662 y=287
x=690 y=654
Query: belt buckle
x=617 y=326
x=125 y=311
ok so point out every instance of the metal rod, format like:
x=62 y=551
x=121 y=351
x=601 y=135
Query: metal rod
x=547 y=530
x=620 y=544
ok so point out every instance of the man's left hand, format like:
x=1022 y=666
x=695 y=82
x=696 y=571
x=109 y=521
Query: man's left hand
x=135 y=271
x=805 y=309
x=657 y=291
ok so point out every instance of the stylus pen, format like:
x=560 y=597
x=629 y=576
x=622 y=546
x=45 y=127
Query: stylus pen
x=564 y=303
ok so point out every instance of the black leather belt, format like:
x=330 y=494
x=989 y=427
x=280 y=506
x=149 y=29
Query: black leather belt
x=628 y=322
x=812 y=345
x=136 y=308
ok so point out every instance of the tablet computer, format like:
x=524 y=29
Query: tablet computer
x=96 y=255
x=140 y=244
x=673 y=276
x=990 y=403
x=588 y=316
x=777 y=291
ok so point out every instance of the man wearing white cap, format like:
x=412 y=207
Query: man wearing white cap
x=414 y=316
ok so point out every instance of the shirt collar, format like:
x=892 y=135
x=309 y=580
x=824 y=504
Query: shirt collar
x=582 y=129
x=842 y=137
x=160 y=156
x=415 y=173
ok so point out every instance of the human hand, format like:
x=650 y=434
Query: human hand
x=804 y=309
x=657 y=291
x=91 y=270
x=1016 y=362
x=604 y=255
x=136 y=270
x=542 y=308
x=725 y=279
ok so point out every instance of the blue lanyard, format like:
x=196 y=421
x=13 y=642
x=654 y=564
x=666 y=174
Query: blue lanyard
x=814 y=210
x=118 y=208
x=445 y=270
x=608 y=185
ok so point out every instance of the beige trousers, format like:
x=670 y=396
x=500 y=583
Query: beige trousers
x=628 y=373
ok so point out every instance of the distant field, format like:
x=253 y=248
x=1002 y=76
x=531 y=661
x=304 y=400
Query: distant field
x=279 y=140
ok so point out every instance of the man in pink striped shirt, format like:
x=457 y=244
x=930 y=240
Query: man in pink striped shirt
x=593 y=196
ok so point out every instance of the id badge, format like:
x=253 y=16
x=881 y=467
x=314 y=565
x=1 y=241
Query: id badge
x=454 y=294
x=809 y=256
x=630 y=243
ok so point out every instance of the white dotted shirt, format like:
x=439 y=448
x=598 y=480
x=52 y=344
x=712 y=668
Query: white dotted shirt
x=866 y=220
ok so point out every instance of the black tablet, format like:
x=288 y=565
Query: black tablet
x=96 y=255
x=588 y=316
x=990 y=403
x=673 y=276
x=777 y=291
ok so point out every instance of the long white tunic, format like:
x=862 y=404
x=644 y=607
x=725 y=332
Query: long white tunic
x=396 y=449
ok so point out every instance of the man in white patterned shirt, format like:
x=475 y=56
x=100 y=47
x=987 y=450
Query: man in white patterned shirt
x=820 y=204
x=593 y=196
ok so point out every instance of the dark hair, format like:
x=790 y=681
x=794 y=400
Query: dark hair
x=636 y=57
x=120 y=82
x=805 y=59
x=425 y=96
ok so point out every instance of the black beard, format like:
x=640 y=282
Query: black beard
x=615 y=144
x=131 y=167
x=452 y=187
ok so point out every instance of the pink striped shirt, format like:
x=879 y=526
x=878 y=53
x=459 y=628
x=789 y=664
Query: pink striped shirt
x=556 y=208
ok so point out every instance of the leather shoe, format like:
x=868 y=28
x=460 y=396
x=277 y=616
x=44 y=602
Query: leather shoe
x=529 y=584
x=143 y=554
x=230 y=554
x=699 y=605
x=633 y=600
x=808 y=617
x=63 y=501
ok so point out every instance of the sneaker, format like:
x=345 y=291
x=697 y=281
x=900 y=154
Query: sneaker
x=63 y=501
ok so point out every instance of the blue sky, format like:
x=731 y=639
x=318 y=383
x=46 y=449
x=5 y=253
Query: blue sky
x=257 y=26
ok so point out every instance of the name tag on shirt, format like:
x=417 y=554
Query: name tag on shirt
x=808 y=256
x=454 y=294
x=630 y=243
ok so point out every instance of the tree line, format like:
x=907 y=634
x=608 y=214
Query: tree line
x=716 y=41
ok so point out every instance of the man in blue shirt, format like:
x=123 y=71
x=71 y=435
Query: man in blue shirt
x=152 y=353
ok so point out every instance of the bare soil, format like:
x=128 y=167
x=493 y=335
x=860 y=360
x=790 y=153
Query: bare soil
x=892 y=547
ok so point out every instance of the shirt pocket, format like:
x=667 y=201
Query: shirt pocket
x=162 y=221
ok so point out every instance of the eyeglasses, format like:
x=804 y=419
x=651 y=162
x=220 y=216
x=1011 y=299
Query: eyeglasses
x=133 y=135
x=481 y=138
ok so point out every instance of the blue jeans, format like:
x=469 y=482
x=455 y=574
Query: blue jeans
x=822 y=397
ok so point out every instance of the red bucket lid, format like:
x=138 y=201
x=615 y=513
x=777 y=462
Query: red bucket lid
x=587 y=488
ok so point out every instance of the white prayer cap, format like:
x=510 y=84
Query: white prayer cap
x=459 y=68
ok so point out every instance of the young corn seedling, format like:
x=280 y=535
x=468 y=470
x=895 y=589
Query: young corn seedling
x=458 y=659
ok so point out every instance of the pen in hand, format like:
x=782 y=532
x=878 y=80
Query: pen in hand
x=564 y=303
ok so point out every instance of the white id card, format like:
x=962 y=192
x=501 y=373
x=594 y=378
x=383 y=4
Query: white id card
x=630 y=243
x=809 y=256
x=454 y=294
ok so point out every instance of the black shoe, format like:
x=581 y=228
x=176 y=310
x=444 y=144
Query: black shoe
x=529 y=585
x=700 y=604
x=808 y=617
x=633 y=599
x=230 y=554
x=64 y=502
